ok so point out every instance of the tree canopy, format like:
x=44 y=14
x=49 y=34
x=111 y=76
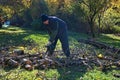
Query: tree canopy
x=84 y=15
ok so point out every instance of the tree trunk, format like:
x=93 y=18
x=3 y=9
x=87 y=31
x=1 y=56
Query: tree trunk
x=91 y=23
x=0 y=25
x=99 y=24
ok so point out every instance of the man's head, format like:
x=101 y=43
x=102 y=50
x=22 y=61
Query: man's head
x=45 y=19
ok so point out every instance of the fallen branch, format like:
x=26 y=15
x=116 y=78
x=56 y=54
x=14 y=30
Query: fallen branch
x=100 y=45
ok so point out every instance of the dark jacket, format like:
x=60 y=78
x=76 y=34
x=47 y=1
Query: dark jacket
x=56 y=27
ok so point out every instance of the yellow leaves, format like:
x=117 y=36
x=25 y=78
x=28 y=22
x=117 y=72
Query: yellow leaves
x=100 y=56
x=53 y=1
x=115 y=2
x=26 y=3
x=21 y=47
x=52 y=5
x=7 y=10
x=39 y=79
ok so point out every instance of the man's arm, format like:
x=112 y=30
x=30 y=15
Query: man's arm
x=53 y=32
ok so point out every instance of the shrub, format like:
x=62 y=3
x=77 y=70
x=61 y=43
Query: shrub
x=37 y=25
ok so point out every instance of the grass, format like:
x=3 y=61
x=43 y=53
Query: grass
x=110 y=39
x=34 y=41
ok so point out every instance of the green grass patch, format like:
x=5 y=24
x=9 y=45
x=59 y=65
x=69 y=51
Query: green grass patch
x=99 y=75
x=34 y=41
x=110 y=39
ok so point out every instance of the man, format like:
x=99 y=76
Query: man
x=57 y=29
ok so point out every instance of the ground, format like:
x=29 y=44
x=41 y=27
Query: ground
x=34 y=41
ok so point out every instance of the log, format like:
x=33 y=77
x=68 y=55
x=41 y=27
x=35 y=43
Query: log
x=20 y=56
x=18 y=52
x=100 y=45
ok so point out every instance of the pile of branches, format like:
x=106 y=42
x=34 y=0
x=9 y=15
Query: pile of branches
x=39 y=61
x=25 y=60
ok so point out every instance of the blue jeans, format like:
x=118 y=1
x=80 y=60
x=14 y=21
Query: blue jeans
x=64 y=42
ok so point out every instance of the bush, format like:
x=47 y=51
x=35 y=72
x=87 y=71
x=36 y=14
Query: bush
x=37 y=25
